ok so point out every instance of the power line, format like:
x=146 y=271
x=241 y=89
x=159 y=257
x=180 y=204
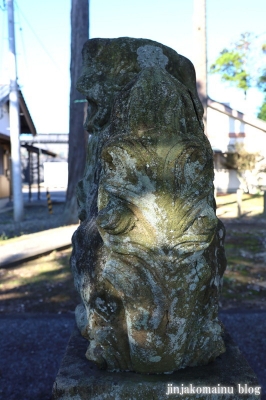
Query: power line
x=37 y=38
x=22 y=36
x=2 y=42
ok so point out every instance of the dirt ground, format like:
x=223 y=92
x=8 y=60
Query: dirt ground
x=43 y=288
x=46 y=284
x=244 y=282
x=42 y=285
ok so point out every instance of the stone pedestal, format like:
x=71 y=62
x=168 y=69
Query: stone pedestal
x=228 y=377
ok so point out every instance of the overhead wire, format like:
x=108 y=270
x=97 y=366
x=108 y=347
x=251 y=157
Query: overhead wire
x=21 y=35
x=38 y=39
x=3 y=41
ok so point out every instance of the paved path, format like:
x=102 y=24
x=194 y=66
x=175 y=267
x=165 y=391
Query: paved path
x=28 y=246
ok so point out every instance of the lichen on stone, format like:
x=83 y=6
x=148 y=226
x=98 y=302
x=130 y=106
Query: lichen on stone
x=148 y=257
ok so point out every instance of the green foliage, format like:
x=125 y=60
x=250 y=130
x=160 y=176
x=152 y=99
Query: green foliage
x=236 y=64
x=262 y=112
x=3 y=236
x=262 y=81
x=230 y=65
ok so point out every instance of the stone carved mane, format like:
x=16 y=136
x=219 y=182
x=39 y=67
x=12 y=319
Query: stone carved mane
x=148 y=256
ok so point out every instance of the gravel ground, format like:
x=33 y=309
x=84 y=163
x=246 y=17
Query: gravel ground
x=31 y=347
x=36 y=219
x=248 y=328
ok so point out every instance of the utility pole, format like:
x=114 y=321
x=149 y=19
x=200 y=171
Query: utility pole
x=200 y=51
x=77 y=136
x=14 y=121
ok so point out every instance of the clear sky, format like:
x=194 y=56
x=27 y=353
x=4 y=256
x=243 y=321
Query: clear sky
x=43 y=44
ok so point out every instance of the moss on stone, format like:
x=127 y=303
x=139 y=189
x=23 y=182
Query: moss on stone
x=150 y=243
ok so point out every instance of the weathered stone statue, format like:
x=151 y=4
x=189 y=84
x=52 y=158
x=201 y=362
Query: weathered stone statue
x=148 y=256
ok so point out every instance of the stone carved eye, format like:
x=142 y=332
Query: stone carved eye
x=116 y=218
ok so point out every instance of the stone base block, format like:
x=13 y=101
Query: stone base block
x=228 y=377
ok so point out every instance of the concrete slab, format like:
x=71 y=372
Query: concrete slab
x=229 y=377
x=29 y=246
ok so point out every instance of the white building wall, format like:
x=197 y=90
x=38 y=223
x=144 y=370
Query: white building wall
x=226 y=181
x=55 y=174
x=218 y=129
x=255 y=140
x=221 y=125
x=226 y=130
x=4 y=120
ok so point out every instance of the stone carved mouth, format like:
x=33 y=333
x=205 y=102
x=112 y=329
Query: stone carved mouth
x=91 y=122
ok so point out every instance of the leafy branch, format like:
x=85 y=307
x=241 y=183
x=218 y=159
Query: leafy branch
x=236 y=65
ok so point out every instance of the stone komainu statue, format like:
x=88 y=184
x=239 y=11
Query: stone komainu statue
x=148 y=256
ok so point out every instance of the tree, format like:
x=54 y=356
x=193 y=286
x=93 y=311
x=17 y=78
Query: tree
x=262 y=111
x=244 y=163
x=236 y=64
x=77 y=136
x=262 y=86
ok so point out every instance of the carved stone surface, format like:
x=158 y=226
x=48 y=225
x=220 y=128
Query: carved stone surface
x=148 y=256
x=80 y=379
